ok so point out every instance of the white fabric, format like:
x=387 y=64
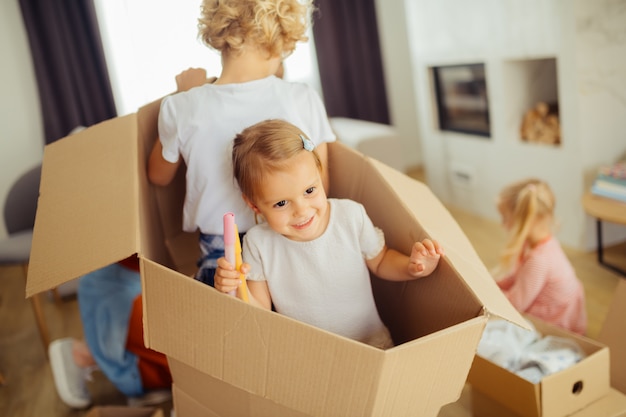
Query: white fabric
x=353 y=131
x=503 y=343
x=549 y=355
x=376 y=140
x=324 y=282
x=526 y=353
x=200 y=125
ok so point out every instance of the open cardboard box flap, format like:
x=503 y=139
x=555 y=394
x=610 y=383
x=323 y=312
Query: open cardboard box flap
x=96 y=208
x=435 y=220
x=87 y=214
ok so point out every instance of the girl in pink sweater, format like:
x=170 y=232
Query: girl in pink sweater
x=534 y=272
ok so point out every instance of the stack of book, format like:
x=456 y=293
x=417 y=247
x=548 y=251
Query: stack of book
x=611 y=182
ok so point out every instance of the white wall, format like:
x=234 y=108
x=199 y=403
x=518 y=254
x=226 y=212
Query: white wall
x=587 y=39
x=399 y=82
x=143 y=63
x=588 y=42
x=21 y=126
x=600 y=62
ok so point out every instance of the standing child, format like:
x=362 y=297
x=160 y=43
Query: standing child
x=197 y=126
x=534 y=272
x=205 y=118
x=311 y=257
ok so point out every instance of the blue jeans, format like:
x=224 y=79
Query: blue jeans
x=212 y=247
x=105 y=300
x=206 y=275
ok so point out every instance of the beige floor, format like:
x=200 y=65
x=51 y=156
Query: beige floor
x=29 y=389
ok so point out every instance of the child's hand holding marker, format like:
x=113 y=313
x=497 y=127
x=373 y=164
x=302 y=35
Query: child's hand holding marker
x=235 y=277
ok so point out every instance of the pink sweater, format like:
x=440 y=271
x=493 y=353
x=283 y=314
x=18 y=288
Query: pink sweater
x=545 y=285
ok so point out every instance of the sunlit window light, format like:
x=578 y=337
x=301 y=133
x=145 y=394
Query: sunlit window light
x=148 y=42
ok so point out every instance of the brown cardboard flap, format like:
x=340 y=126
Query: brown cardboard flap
x=88 y=205
x=185 y=251
x=120 y=411
x=187 y=406
x=577 y=386
x=611 y=405
x=435 y=220
x=252 y=342
x=435 y=354
x=152 y=219
x=209 y=396
x=613 y=334
x=504 y=387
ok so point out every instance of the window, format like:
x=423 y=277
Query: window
x=148 y=42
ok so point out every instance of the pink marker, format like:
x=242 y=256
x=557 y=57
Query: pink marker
x=229 y=241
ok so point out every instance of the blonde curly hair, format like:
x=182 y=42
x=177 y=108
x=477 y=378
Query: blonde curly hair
x=272 y=25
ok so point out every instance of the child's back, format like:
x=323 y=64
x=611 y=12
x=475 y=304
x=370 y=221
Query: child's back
x=216 y=113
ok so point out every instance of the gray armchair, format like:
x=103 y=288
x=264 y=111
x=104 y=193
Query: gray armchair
x=19 y=217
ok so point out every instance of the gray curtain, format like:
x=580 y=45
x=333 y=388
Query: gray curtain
x=70 y=67
x=350 y=64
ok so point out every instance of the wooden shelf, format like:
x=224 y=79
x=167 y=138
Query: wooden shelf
x=603 y=208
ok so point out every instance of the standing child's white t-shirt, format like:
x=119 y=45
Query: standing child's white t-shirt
x=324 y=282
x=200 y=124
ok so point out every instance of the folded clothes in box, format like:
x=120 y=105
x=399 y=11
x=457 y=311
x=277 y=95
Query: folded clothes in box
x=527 y=353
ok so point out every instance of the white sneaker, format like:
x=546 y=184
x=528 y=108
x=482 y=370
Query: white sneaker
x=69 y=378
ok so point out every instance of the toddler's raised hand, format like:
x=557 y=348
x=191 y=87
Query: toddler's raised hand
x=425 y=257
x=191 y=77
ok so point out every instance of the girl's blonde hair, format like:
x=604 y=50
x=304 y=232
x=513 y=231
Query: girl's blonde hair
x=263 y=148
x=523 y=204
x=272 y=25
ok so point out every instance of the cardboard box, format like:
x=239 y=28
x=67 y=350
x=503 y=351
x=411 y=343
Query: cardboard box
x=121 y=411
x=202 y=395
x=187 y=406
x=613 y=334
x=96 y=207
x=557 y=395
x=611 y=405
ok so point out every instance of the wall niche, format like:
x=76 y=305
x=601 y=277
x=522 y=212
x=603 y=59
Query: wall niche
x=531 y=94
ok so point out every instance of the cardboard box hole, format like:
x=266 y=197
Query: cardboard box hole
x=577 y=388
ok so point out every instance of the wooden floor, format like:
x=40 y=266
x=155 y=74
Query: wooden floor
x=29 y=388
